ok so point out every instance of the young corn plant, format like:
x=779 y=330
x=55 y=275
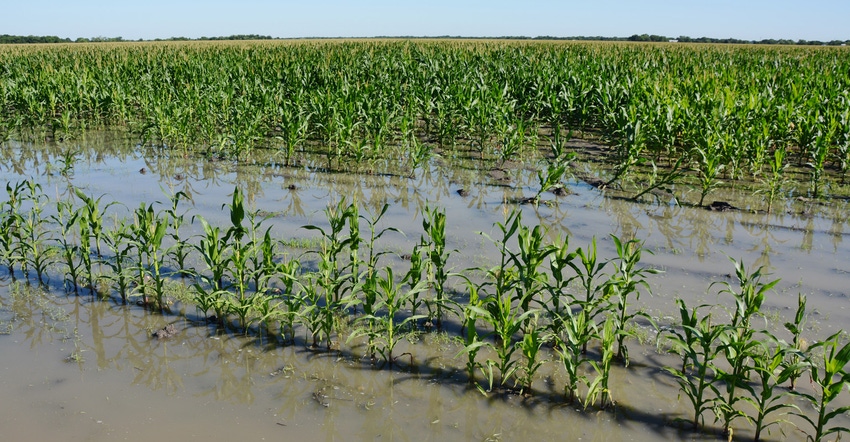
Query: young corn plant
x=66 y=218
x=240 y=251
x=148 y=233
x=799 y=345
x=575 y=330
x=472 y=340
x=627 y=281
x=776 y=178
x=829 y=377
x=33 y=237
x=738 y=343
x=598 y=388
x=179 y=251
x=12 y=219
x=414 y=276
x=92 y=214
x=697 y=342
x=333 y=278
x=589 y=273
x=528 y=262
x=434 y=224
x=384 y=327
x=210 y=293
x=770 y=371
x=531 y=345
x=119 y=242
x=506 y=321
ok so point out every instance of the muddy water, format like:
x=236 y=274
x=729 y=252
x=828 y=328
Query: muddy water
x=81 y=369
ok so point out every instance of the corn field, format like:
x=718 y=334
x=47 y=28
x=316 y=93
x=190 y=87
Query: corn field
x=668 y=114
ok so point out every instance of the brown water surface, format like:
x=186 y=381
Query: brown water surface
x=75 y=368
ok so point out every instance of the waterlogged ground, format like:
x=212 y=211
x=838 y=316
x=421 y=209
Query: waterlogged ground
x=83 y=369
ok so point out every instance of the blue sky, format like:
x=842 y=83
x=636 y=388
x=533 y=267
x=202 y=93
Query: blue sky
x=743 y=19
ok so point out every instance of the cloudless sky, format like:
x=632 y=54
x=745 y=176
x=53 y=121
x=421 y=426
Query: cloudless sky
x=149 y=19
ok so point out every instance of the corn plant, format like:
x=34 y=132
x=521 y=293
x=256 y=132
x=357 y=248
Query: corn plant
x=697 y=342
x=533 y=339
x=598 y=387
x=66 y=218
x=414 y=276
x=506 y=321
x=333 y=278
x=829 y=377
x=119 y=242
x=472 y=340
x=589 y=274
x=770 y=371
x=627 y=281
x=92 y=214
x=32 y=236
x=798 y=344
x=434 y=224
x=179 y=251
x=528 y=261
x=776 y=179
x=557 y=284
x=148 y=232
x=11 y=227
x=383 y=327
x=574 y=331
x=209 y=287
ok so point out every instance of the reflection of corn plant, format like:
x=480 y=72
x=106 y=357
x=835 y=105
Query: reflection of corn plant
x=697 y=343
x=385 y=330
x=829 y=377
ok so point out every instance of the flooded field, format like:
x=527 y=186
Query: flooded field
x=84 y=367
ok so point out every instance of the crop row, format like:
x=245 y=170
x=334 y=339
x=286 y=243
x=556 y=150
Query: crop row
x=542 y=297
x=679 y=114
